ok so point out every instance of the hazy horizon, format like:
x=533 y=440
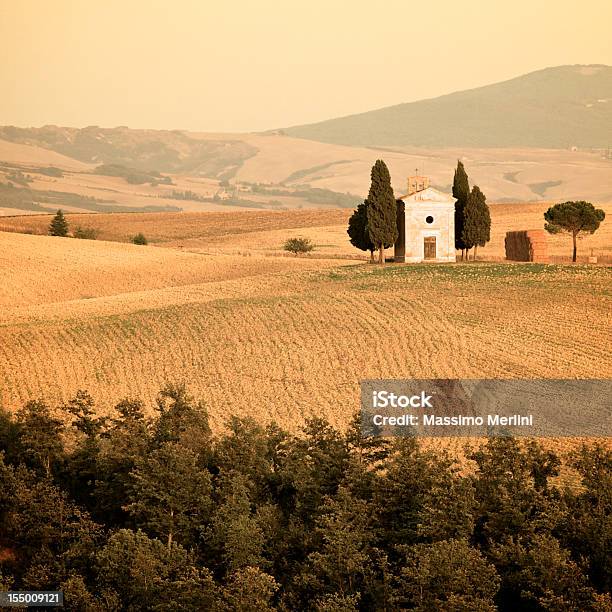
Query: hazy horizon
x=245 y=67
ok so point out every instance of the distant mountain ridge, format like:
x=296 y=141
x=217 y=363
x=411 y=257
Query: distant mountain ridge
x=556 y=107
x=515 y=137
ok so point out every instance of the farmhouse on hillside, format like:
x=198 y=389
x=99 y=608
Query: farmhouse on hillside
x=425 y=223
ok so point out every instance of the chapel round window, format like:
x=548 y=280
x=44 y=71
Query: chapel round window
x=429 y=219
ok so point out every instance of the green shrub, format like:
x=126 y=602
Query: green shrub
x=298 y=245
x=140 y=239
x=85 y=233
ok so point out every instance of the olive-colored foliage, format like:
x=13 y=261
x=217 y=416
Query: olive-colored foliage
x=169 y=494
x=140 y=239
x=298 y=245
x=461 y=191
x=132 y=512
x=476 y=229
x=59 y=225
x=588 y=531
x=147 y=575
x=126 y=439
x=85 y=233
x=537 y=573
x=45 y=535
x=446 y=575
x=39 y=437
x=381 y=209
x=235 y=533
x=358 y=229
x=249 y=590
x=342 y=563
x=181 y=419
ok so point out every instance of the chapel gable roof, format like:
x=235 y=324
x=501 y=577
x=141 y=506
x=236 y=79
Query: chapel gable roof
x=428 y=195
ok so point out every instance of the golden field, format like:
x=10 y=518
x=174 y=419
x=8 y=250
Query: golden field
x=279 y=338
x=263 y=232
x=177 y=229
x=53 y=270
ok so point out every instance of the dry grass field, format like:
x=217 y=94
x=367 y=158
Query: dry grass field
x=278 y=338
x=175 y=229
x=39 y=270
x=264 y=232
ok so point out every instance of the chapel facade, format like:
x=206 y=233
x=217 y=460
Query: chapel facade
x=425 y=223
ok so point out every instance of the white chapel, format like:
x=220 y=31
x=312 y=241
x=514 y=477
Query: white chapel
x=426 y=224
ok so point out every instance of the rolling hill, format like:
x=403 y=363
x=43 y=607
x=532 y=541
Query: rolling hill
x=162 y=150
x=544 y=136
x=297 y=173
x=556 y=107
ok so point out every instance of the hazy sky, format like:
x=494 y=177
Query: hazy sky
x=258 y=64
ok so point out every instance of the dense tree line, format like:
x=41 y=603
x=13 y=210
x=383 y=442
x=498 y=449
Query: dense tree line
x=142 y=512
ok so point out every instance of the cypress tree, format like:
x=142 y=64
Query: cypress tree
x=358 y=229
x=485 y=219
x=469 y=231
x=461 y=191
x=477 y=221
x=381 y=210
x=59 y=225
